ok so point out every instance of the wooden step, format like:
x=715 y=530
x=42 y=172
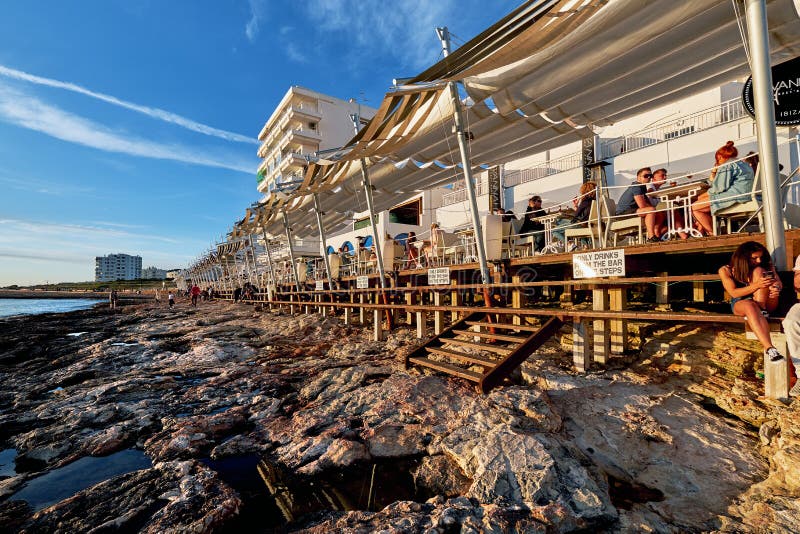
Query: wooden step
x=506 y=326
x=447 y=368
x=467 y=358
x=501 y=337
x=499 y=349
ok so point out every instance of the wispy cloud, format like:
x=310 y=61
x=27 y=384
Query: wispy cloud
x=29 y=112
x=79 y=234
x=154 y=113
x=44 y=186
x=252 y=28
x=407 y=34
x=294 y=54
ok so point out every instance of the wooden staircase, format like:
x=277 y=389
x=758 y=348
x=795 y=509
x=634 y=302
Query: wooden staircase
x=497 y=348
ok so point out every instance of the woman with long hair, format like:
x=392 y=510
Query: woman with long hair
x=754 y=289
x=731 y=182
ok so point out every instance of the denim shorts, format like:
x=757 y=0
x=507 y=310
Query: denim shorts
x=734 y=300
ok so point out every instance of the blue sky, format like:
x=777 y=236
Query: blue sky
x=130 y=126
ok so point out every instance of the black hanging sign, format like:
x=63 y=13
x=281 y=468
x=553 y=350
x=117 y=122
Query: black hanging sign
x=494 y=189
x=785 y=93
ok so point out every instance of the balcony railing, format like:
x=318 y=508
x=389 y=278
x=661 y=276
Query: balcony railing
x=459 y=193
x=726 y=112
x=542 y=170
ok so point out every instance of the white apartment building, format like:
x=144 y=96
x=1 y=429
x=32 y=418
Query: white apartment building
x=303 y=124
x=154 y=273
x=117 y=267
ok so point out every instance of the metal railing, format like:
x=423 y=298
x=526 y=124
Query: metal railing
x=459 y=193
x=724 y=113
x=542 y=170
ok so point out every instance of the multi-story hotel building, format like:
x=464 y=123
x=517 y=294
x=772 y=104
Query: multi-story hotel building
x=304 y=123
x=117 y=267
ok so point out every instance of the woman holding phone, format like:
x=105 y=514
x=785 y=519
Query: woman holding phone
x=754 y=289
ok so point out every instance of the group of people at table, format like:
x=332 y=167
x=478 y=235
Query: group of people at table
x=731 y=181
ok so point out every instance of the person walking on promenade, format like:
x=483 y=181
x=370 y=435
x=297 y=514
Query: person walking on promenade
x=194 y=292
x=754 y=289
x=112 y=299
x=171 y=299
x=791 y=326
x=157 y=297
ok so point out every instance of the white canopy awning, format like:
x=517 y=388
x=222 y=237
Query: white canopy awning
x=553 y=69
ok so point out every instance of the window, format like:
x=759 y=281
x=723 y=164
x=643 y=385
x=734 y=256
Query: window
x=312 y=126
x=407 y=213
x=363 y=223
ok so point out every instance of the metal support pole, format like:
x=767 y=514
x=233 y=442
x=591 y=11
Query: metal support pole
x=291 y=250
x=444 y=37
x=758 y=40
x=269 y=260
x=253 y=255
x=323 y=241
x=377 y=241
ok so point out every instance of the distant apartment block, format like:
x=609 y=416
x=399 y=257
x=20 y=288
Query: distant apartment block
x=154 y=273
x=117 y=267
x=172 y=274
x=305 y=122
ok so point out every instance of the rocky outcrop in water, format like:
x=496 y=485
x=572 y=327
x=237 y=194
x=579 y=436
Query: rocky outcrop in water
x=675 y=438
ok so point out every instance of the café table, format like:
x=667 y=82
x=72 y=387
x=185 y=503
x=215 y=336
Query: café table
x=552 y=246
x=679 y=197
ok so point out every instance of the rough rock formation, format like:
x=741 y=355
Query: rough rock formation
x=674 y=438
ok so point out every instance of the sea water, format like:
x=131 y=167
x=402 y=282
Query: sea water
x=34 y=306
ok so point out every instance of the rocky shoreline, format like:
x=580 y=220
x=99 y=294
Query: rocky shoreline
x=283 y=423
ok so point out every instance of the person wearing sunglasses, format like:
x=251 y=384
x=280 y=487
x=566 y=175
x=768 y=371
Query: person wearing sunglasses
x=634 y=201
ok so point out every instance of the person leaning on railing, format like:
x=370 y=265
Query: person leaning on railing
x=731 y=182
x=754 y=289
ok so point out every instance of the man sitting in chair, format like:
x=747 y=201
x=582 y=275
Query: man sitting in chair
x=634 y=201
x=530 y=225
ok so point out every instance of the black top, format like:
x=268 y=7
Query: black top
x=583 y=209
x=530 y=225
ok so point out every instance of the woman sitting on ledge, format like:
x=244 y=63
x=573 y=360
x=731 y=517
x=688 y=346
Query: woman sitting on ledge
x=731 y=182
x=754 y=289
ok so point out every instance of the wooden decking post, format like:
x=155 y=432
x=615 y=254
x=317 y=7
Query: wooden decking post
x=438 y=316
x=602 y=331
x=455 y=300
x=618 y=327
x=516 y=299
x=361 y=315
x=699 y=291
x=662 y=290
x=377 y=324
x=581 y=351
x=348 y=319
x=410 y=302
x=422 y=319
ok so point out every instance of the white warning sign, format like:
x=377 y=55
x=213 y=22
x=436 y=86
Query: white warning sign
x=599 y=264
